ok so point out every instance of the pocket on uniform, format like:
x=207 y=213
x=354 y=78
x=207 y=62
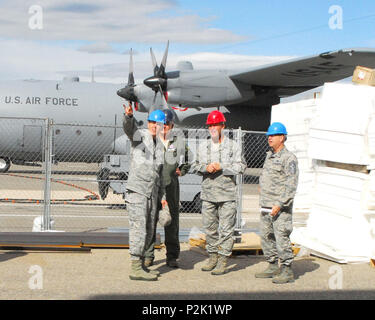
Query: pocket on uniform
x=277 y=167
x=286 y=225
x=142 y=174
x=134 y=197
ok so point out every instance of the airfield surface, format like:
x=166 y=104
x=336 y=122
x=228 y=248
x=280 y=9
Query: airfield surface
x=103 y=273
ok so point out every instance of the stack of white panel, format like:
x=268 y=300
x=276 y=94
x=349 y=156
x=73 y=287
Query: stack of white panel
x=297 y=117
x=370 y=200
x=340 y=130
x=371 y=141
x=339 y=226
x=342 y=216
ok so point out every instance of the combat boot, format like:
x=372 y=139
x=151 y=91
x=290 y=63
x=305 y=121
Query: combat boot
x=148 y=262
x=272 y=270
x=220 y=266
x=286 y=275
x=212 y=262
x=172 y=263
x=137 y=272
x=155 y=272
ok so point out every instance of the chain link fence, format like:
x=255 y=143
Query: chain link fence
x=73 y=177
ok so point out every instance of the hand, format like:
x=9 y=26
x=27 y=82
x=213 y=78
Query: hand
x=275 y=211
x=128 y=110
x=210 y=168
x=178 y=172
x=164 y=203
x=217 y=166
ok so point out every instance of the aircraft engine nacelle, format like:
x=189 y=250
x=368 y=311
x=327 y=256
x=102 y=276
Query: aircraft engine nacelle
x=202 y=89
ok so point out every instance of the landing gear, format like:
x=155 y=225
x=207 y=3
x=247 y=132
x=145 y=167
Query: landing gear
x=4 y=164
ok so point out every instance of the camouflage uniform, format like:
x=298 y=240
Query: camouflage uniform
x=278 y=184
x=175 y=156
x=219 y=193
x=144 y=187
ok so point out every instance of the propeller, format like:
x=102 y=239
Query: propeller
x=158 y=82
x=128 y=92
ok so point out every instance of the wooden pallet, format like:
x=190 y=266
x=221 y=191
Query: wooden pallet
x=250 y=245
x=247 y=251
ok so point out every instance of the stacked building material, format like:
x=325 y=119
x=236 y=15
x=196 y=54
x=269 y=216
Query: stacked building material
x=340 y=131
x=339 y=225
x=341 y=160
x=297 y=117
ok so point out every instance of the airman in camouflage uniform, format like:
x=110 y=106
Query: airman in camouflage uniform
x=219 y=160
x=175 y=165
x=144 y=188
x=278 y=184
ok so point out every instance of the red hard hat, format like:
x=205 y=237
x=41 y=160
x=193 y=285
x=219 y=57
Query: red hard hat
x=215 y=117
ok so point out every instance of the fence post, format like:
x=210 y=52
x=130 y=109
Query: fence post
x=47 y=174
x=239 y=181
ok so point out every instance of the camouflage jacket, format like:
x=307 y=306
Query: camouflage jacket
x=279 y=179
x=146 y=160
x=175 y=156
x=219 y=186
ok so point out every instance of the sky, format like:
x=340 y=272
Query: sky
x=50 y=39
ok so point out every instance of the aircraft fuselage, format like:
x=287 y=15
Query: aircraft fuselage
x=87 y=119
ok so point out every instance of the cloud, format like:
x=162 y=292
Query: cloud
x=22 y=59
x=97 y=47
x=77 y=8
x=127 y=52
x=119 y=21
x=26 y=59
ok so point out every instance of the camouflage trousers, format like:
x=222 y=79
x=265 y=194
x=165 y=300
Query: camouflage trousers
x=275 y=232
x=171 y=232
x=219 y=219
x=142 y=215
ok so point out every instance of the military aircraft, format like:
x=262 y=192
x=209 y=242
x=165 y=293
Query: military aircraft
x=245 y=98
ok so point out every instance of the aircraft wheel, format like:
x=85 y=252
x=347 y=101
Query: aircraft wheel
x=4 y=164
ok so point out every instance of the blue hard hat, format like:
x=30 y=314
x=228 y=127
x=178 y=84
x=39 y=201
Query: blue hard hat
x=157 y=116
x=168 y=115
x=276 y=128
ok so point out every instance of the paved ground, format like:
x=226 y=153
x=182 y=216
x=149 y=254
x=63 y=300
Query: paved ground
x=103 y=274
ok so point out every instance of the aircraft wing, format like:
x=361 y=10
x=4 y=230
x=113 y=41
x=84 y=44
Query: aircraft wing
x=297 y=75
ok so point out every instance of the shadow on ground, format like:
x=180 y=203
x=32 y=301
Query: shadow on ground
x=187 y=260
x=267 y=295
x=4 y=256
